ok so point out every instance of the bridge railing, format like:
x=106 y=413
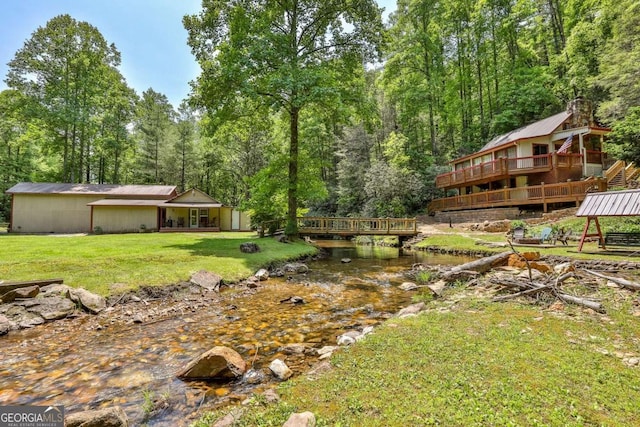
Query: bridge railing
x=357 y=226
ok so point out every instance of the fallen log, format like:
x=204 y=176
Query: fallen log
x=617 y=280
x=535 y=287
x=9 y=286
x=481 y=265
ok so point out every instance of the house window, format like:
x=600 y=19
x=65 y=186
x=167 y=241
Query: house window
x=540 y=150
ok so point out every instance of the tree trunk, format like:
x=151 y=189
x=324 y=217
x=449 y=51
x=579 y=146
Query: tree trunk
x=480 y=265
x=292 y=193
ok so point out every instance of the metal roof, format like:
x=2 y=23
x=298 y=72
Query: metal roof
x=611 y=203
x=540 y=128
x=156 y=191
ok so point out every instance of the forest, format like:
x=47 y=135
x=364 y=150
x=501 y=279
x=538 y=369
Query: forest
x=318 y=106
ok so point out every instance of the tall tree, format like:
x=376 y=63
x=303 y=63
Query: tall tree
x=66 y=67
x=154 y=124
x=289 y=54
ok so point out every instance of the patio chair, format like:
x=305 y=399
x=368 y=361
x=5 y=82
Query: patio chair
x=517 y=234
x=563 y=237
x=545 y=234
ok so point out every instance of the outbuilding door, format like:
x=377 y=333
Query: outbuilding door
x=235 y=220
x=193 y=217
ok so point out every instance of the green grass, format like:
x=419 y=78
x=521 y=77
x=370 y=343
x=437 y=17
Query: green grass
x=119 y=262
x=469 y=240
x=480 y=364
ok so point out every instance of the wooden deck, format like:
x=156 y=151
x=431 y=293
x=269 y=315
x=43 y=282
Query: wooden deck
x=504 y=167
x=564 y=192
x=346 y=227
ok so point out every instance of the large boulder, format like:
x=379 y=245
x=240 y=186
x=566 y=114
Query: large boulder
x=262 y=274
x=207 y=280
x=108 y=417
x=88 y=301
x=19 y=317
x=218 y=363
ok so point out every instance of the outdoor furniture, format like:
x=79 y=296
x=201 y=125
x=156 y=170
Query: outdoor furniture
x=545 y=234
x=517 y=234
x=622 y=239
x=562 y=237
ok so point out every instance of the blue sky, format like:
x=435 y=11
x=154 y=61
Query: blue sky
x=148 y=33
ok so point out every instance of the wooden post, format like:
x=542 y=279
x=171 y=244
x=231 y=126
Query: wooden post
x=544 y=201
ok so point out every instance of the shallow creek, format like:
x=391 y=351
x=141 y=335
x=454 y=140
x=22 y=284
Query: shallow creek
x=82 y=366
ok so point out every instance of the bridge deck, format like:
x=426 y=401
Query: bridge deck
x=357 y=226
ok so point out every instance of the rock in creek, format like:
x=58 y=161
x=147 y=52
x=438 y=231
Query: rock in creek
x=50 y=308
x=218 y=363
x=408 y=286
x=411 y=310
x=108 y=417
x=5 y=325
x=89 y=301
x=206 y=279
x=262 y=274
x=280 y=370
x=296 y=267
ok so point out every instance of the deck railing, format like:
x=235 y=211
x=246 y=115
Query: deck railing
x=513 y=166
x=521 y=196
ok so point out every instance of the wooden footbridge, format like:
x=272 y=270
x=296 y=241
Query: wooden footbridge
x=348 y=227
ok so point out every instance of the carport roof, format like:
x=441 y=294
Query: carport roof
x=611 y=203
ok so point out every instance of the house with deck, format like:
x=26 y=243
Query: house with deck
x=86 y=208
x=556 y=160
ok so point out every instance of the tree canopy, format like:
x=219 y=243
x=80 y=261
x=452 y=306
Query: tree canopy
x=315 y=106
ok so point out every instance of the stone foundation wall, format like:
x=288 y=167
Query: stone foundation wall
x=478 y=215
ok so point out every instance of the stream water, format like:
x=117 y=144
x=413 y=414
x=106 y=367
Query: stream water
x=75 y=364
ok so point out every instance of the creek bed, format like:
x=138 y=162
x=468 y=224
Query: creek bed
x=82 y=365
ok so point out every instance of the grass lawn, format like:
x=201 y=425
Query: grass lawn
x=476 y=363
x=113 y=263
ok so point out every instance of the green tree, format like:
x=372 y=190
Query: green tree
x=154 y=125
x=288 y=54
x=65 y=68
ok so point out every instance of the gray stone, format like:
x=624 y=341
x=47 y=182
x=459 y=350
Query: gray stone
x=20 y=293
x=89 y=301
x=229 y=419
x=296 y=267
x=411 y=310
x=303 y=419
x=297 y=348
x=271 y=396
x=54 y=290
x=253 y=377
x=408 y=286
x=345 y=260
x=5 y=325
x=262 y=274
x=346 y=340
x=108 y=417
x=50 y=308
x=280 y=370
x=218 y=363
x=249 y=247
x=207 y=280
x=138 y=318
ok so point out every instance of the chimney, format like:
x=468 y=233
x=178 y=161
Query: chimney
x=581 y=112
